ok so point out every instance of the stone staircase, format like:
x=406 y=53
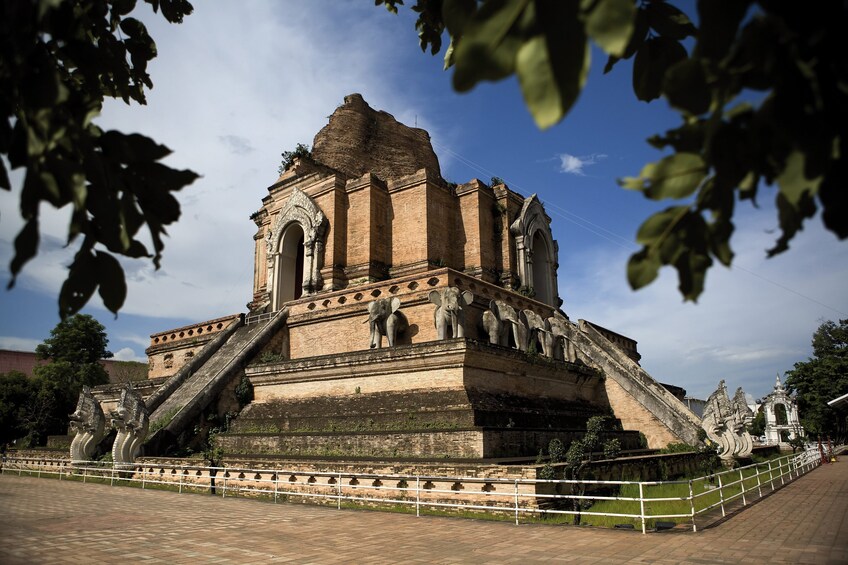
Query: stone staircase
x=181 y=399
x=668 y=416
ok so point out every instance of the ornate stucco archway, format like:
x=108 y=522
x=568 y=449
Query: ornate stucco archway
x=781 y=411
x=536 y=251
x=299 y=218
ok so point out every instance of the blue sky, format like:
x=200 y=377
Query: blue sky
x=237 y=84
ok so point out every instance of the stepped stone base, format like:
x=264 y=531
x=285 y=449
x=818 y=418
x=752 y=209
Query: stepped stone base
x=474 y=443
x=447 y=399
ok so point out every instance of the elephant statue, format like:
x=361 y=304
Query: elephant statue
x=537 y=331
x=561 y=345
x=498 y=319
x=384 y=319
x=89 y=422
x=450 y=312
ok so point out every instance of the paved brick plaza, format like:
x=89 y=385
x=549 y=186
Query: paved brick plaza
x=48 y=521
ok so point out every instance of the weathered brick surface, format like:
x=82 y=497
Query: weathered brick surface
x=452 y=398
x=359 y=139
x=390 y=216
x=336 y=322
x=171 y=349
x=634 y=416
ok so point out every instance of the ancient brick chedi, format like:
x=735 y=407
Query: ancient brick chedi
x=371 y=205
x=397 y=315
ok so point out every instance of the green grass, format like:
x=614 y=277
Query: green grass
x=706 y=494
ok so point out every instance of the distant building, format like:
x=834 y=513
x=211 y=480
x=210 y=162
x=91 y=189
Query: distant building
x=696 y=405
x=25 y=361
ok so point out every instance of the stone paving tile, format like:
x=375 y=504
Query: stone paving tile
x=50 y=521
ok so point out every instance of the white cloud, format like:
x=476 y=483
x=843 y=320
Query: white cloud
x=237 y=144
x=18 y=343
x=143 y=341
x=228 y=109
x=745 y=328
x=127 y=354
x=574 y=165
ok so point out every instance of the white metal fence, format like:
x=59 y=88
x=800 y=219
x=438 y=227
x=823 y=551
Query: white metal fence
x=624 y=504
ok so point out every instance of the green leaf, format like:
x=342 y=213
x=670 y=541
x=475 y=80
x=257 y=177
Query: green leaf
x=834 y=198
x=175 y=10
x=658 y=226
x=42 y=86
x=456 y=14
x=654 y=58
x=685 y=86
x=488 y=49
x=112 y=285
x=642 y=268
x=792 y=181
x=610 y=23
x=675 y=176
x=688 y=138
x=131 y=148
x=637 y=39
x=4 y=177
x=719 y=22
x=691 y=274
x=552 y=70
x=732 y=151
x=80 y=284
x=791 y=217
x=26 y=246
x=669 y=21
x=449 y=59
x=720 y=232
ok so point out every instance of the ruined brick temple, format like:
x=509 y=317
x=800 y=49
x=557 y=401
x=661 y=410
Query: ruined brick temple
x=396 y=315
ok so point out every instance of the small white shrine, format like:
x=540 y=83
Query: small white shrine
x=781 y=412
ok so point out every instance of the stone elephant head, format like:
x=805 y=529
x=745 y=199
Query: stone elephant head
x=560 y=336
x=497 y=321
x=385 y=319
x=450 y=311
x=537 y=330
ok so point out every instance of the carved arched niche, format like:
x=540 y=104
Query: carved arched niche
x=536 y=251
x=781 y=411
x=295 y=245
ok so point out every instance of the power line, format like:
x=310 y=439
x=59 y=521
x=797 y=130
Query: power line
x=611 y=236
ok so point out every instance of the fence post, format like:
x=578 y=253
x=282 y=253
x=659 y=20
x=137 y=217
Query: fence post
x=112 y=476
x=516 y=502
x=692 y=505
x=417 y=496
x=780 y=468
x=759 y=488
x=224 y=487
x=339 y=493
x=181 y=480
x=276 y=483
x=742 y=484
x=84 y=473
x=642 y=507
x=721 y=495
x=771 y=477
